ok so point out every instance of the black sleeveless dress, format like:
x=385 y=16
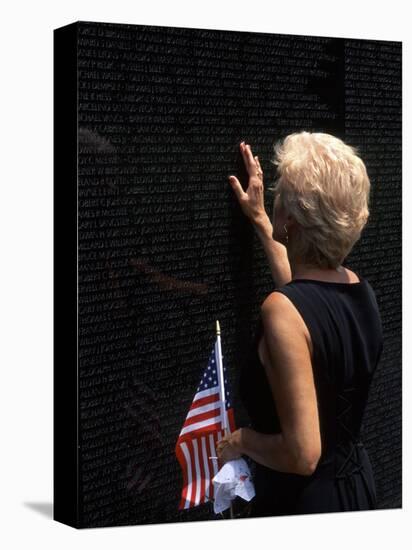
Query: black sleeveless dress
x=344 y=322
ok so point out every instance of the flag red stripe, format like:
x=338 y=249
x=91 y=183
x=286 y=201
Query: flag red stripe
x=205 y=430
x=201 y=416
x=182 y=462
x=231 y=419
x=194 y=482
x=205 y=400
x=202 y=472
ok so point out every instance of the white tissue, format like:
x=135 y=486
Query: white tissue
x=232 y=480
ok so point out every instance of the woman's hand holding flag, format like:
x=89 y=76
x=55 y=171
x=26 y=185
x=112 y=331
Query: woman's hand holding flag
x=229 y=447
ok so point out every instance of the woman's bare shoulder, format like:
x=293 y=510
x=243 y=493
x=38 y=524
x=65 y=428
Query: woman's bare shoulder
x=284 y=316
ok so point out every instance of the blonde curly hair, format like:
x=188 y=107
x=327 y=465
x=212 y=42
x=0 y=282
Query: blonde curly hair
x=324 y=185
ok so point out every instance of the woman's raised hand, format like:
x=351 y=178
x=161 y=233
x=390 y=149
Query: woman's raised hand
x=252 y=200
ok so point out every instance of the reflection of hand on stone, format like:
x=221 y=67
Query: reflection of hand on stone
x=165 y=281
x=143 y=424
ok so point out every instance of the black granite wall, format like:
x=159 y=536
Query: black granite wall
x=164 y=249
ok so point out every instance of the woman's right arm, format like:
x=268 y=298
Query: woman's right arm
x=275 y=251
x=252 y=203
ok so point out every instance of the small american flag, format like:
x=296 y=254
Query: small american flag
x=201 y=430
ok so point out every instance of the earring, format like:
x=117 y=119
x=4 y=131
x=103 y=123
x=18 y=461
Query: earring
x=287 y=236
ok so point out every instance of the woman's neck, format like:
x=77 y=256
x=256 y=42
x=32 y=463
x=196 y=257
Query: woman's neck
x=307 y=271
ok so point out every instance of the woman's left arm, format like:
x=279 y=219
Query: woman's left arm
x=267 y=449
x=297 y=448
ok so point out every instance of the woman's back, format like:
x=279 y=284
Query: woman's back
x=346 y=331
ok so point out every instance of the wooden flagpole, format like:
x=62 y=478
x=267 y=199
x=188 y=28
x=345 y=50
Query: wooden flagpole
x=225 y=422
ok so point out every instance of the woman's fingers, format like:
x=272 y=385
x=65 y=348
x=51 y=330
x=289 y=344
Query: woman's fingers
x=251 y=200
x=258 y=164
x=252 y=162
x=249 y=159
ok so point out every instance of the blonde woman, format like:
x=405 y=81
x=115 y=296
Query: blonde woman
x=319 y=338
